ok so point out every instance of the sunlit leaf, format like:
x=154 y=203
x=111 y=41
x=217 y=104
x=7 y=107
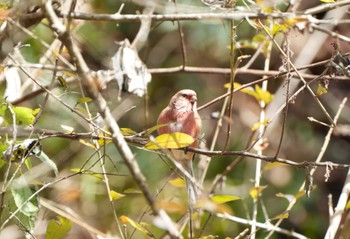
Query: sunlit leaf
x=103 y=141
x=178 y=182
x=258 y=124
x=321 y=90
x=58 y=229
x=327 y=1
x=247 y=90
x=224 y=198
x=170 y=141
x=255 y=191
x=24 y=116
x=171 y=207
x=28 y=163
x=137 y=226
x=263 y=95
x=115 y=195
x=127 y=131
x=276 y=28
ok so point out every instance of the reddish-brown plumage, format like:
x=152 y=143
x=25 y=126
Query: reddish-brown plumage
x=181 y=116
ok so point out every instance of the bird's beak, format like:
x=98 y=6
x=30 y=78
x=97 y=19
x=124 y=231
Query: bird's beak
x=193 y=99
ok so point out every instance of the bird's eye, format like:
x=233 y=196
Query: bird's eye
x=184 y=95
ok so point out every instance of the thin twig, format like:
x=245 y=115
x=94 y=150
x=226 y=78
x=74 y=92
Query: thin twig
x=117 y=138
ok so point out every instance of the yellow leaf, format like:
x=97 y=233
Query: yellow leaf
x=102 y=141
x=170 y=141
x=263 y=95
x=247 y=90
x=321 y=90
x=178 y=182
x=171 y=207
x=257 y=125
x=347 y=205
x=115 y=195
x=127 y=131
x=224 y=198
x=283 y=215
x=255 y=191
x=137 y=226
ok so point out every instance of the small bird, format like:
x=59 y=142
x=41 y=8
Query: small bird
x=181 y=116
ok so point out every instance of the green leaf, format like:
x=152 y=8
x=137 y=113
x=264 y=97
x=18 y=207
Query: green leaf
x=327 y=1
x=57 y=229
x=115 y=195
x=62 y=82
x=28 y=209
x=224 y=198
x=45 y=159
x=24 y=116
x=170 y=141
x=20 y=195
x=83 y=100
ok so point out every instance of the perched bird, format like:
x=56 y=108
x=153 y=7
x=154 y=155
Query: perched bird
x=181 y=116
